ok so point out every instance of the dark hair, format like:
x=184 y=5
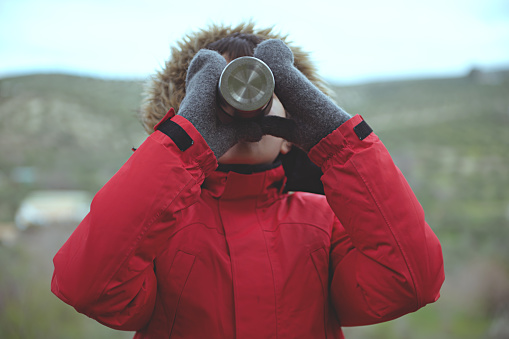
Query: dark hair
x=236 y=45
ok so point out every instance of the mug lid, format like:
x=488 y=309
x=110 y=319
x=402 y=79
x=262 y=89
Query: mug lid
x=246 y=84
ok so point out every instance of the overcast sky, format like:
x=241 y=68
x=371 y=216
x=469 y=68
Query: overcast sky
x=350 y=41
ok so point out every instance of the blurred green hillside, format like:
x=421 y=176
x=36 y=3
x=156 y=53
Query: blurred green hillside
x=450 y=138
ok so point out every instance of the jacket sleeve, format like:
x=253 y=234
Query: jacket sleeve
x=385 y=260
x=105 y=269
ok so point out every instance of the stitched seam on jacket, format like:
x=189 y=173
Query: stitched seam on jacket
x=379 y=207
x=273 y=275
x=417 y=290
x=302 y=224
x=182 y=290
x=323 y=285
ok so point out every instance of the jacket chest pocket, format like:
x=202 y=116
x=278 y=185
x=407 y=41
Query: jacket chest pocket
x=321 y=263
x=172 y=284
x=320 y=260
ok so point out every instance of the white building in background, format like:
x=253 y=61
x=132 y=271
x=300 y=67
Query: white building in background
x=47 y=208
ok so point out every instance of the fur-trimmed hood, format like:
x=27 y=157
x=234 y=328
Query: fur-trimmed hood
x=166 y=88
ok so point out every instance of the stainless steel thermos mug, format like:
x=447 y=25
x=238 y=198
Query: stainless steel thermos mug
x=245 y=90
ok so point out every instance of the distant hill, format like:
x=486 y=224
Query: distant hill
x=65 y=132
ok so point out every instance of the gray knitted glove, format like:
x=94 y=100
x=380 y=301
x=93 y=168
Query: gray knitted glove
x=315 y=114
x=199 y=105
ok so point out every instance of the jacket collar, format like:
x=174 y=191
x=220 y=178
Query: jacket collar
x=239 y=182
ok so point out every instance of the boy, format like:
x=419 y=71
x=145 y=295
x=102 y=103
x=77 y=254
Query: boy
x=176 y=246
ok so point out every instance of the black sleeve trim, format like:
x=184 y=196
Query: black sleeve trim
x=177 y=134
x=362 y=130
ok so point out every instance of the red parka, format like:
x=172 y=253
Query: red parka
x=172 y=248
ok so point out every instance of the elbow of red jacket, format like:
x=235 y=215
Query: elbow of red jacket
x=122 y=308
x=80 y=301
x=431 y=281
